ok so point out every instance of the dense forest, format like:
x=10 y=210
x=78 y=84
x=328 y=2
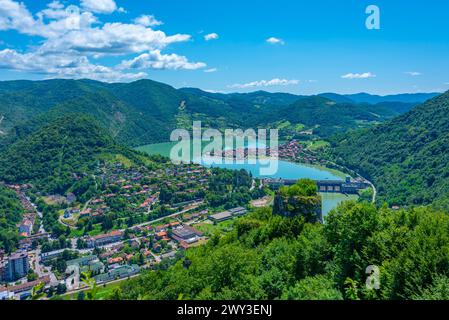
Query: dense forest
x=57 y=155
x=11 y=212
x=269 y=256
x=406 y=158
x=146 y=111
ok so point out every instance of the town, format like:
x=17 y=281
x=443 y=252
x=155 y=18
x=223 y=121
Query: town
x=136 y=219
x=126 y=219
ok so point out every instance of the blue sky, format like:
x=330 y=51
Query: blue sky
x=316 y=46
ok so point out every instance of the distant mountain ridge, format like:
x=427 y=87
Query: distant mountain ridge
x=404 y=98
x=146 y=111
x=50 y=156
x=288 y=98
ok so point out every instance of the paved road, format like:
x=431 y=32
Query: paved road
x=41 y=270
x=193 y=207
x=40 y=215
x=374 y=191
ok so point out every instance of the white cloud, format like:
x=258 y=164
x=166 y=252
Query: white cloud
x=413 y=73
x=365 y=75
x=70 y=40
x=15 y=16
x=211 y=36
x=214 y=91
x=265 y=83
x=99 y=6
x=211 y=70
x=155 y=60
x=113 y=38
x=55 y=5
x=148 y=21
x=274 y=40
x=62 y=66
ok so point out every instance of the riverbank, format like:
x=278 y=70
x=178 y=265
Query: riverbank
x=286 y=170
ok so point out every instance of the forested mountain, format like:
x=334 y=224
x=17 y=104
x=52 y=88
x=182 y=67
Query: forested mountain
x=58 y=154
x=414 y=98
x=287 y=112
x=268 y=256
x=329 y=117
x=407 y=158
x=146 y=111
x=28 y=105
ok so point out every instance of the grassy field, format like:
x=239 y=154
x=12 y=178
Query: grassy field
x=209 y=229
x=104 y=291
x=315 y=145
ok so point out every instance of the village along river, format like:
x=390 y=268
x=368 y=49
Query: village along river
x=286 y=170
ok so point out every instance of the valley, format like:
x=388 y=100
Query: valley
x=89 y=196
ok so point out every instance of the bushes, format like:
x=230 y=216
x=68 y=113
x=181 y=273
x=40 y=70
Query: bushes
x=272 y=257
x=11 y=212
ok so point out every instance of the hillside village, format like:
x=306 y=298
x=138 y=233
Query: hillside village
x=135 y=218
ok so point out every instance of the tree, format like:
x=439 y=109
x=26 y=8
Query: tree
x=61 y=288
x=313 y=288
x=438 y=290
x=37 y=292
x=301 y=199
x=108 y=223
x=81 y=295
x=31 y=276
x=87 y=279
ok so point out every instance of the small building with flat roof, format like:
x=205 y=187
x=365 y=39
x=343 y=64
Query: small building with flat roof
x=220 y=217
x=226 y=215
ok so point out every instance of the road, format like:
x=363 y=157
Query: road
x=41 y=270
x=374 y=190
x=40 y=215
x=194 y=206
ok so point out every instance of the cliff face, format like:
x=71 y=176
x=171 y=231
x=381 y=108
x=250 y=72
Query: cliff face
x=301 y=199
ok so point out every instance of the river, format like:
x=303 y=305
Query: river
x=286 y=170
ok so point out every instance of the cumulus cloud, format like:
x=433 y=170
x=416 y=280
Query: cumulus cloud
x=99 y=6
x=63 y=66
x=265 y=83
x=155 y=60
x=211 y=70
x=71 y=37
x=148 y=21
x=211 y=36
x=113 y=38
x=15 y=16
x=413 y=73
x=274 y=40
x=352 y=76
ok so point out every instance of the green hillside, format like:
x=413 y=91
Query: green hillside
x=407 y=158
x=146 y=111
x=267 y=256
x=56 y=155
x=11 y=212
x=329 y=117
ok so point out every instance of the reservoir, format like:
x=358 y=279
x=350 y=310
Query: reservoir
x=286 y=170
